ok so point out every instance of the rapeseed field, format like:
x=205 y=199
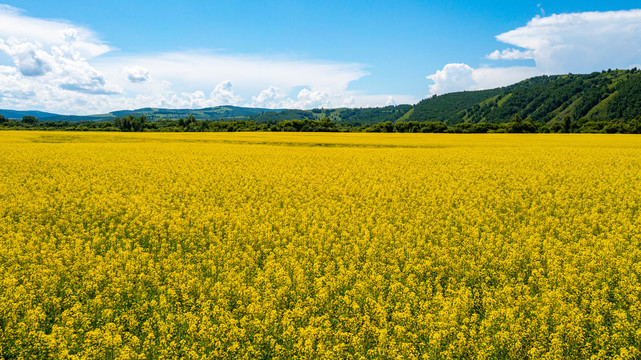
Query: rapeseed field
x=300 y=246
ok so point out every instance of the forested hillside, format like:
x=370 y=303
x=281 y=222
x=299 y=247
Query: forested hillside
x=212 y=113
x=356 y=116
x=446 y=108
x=577 y=100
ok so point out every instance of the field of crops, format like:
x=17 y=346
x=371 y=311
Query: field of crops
x=261 y=245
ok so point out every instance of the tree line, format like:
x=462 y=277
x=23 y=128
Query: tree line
x=132 y=123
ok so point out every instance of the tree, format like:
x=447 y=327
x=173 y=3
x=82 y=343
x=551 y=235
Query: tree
x=517 y=119
x=131 y=123
x=326 y=124
x=3 y=120
x=567 y=124
x=29 y=120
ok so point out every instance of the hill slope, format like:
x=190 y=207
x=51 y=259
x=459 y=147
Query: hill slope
x=212 y=113
x=17 y=114
x=356 y=116
x=605 y=96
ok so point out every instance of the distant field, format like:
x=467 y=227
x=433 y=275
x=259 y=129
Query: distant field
x=271 y=245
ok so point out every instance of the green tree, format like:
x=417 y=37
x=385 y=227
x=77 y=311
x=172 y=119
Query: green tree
x=29 y=120
x=3 y=120
x=517 y=119
x=567 y=124
x=131 y=123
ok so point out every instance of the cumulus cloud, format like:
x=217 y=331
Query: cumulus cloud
x=558 y=44
x=511 y=54
x=580 y=42
x=308 y=99
x=28 y=57
x=136 y=74
x=453 y=77
x=60 y=65
x=273 y=98
x=16 y=93
x=270 y=98
x=49 y=56
x=462 y=77
x=223 y=94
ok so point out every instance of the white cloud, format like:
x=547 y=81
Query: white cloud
x=308 y=99
x=29 y=58
x=490 y=78
x=250 y=74
x=462 y=77
x=49 y=59
x=558 y=44
x=223 y=94
x=273 y=98
x=270 y=98
x=381 y=100
x=136 y=74
x=453 y=77
x=511 y=54
x=580 y=42
x=18 y=92
x=60 y=65
x=13 y=24
x=349 y=102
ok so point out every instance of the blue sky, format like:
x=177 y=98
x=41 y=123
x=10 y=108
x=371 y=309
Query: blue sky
x=97 y=56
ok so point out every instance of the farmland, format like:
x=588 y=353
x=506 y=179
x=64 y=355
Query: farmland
x=273 y=245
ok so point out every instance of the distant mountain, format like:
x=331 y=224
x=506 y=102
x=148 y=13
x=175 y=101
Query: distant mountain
x=358 y=116
x=18 y=115
x=212 y=113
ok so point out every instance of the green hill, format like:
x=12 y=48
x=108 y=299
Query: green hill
x=593 y=98
x=212 y=113
x=17 y=114
x=355 y=116
x=448 y=108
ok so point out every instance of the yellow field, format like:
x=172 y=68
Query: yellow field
x=261 y=245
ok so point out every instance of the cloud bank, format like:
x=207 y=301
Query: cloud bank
x=558 y=44
x=61 y=67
